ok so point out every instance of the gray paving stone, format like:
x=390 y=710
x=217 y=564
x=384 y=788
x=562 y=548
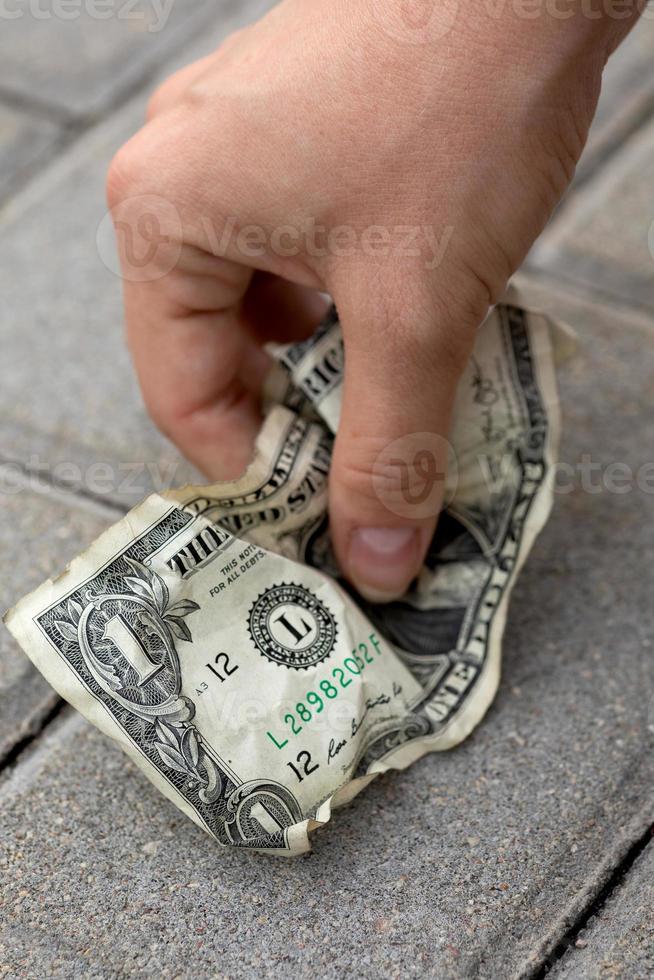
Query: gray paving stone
x=471 y=864
x=53 y=345
x=619 y=941
x=69 y=400
x=627 y=94
x=81 y=64
x=38 y=535
x=603 y=240
x=25 y=142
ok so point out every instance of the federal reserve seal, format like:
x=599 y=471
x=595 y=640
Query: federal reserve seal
x=292 y=627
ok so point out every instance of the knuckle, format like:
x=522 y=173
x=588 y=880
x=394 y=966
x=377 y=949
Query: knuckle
x=231 y=42
x=159 y=414
x=142 y=201
x=157 y=102
x=394 y=478
x=355 y=467
x=166 y=95
x=163 y=412
x=123 y=175
x=149 y=163
x=402 y=481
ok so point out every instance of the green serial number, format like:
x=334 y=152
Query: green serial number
x=327 y=690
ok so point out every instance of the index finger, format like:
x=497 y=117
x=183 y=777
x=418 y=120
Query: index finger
x=199 y=370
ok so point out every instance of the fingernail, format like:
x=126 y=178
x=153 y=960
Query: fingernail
x=383 y=560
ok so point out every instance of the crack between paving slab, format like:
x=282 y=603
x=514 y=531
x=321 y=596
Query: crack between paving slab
x=24 y=477
x=15 y=778
x=592 y=908
x=36 y=729
x=34 y=106
x=72 y=127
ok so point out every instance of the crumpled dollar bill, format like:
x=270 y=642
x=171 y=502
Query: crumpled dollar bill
x=210 y=634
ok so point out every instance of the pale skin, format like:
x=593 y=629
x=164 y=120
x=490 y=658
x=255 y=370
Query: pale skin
x=373 y=116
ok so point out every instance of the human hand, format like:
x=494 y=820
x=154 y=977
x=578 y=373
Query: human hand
x=316 y=151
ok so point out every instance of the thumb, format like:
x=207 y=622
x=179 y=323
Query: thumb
x=403 y=362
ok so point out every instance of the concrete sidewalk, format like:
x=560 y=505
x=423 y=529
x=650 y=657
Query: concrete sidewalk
x=526 y=850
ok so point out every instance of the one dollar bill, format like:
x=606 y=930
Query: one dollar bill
x=209 y=632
